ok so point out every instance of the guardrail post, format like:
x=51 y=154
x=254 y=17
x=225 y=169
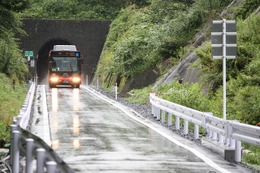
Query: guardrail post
x=214 y=136
x=209 y=133
x=169 y=119
x=238 y=151
x=232 y=143
x=186 y=127
x=15 y=151
x=227 y=142
x=177 y=123
x=86 y=79
x=205 y=122
x=29 y=154
x=51 y=167
x=116 y=91
x=13 y=127
x=40 y=152
x=163 y=116
x=158 y=113
x=97 y=84
x=221 y=139
x=196 y=131
x=153 y=110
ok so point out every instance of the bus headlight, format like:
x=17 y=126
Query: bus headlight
x=54 y=79
x=76 y=79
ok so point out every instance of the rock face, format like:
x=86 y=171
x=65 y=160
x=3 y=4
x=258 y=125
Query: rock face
x=181 y=72
x=141 y=80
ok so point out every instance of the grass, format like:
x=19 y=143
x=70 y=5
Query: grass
x=140 y=96
x=12 y=95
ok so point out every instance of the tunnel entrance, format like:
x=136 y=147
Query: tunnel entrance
x=42 y=60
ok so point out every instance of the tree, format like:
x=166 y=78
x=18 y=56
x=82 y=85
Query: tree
x=10 y=23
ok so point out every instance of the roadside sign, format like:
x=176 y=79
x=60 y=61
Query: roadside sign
x=28 y=53
x=224 y=39
x=224 y=46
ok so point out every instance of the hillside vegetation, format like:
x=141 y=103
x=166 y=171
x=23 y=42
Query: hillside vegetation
x=13 y=68
x=162 y=32
x=143 y=38
x=77 y=9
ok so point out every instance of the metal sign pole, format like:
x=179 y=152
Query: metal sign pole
x=224 y=72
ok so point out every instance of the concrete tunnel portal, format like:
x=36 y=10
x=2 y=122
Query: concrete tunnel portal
x=87 y=35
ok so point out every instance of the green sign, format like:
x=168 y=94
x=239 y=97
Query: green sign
x=28 y=53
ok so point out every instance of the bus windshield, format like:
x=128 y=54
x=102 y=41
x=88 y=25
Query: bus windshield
x=68 y=64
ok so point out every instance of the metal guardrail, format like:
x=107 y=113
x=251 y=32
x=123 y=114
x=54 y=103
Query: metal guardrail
x=229 y=133
x=38 y=155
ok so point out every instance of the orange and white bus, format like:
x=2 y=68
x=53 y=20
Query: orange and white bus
x=65 y=64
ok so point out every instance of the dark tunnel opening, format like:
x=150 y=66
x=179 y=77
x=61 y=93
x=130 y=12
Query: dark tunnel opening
x=42 y=60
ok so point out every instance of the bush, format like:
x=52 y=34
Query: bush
x=189 y=95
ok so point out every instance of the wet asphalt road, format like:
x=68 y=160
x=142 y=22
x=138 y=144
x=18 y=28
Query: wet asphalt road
x=91 y=135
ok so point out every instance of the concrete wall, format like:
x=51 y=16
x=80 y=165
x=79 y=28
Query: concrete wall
x=88 y=35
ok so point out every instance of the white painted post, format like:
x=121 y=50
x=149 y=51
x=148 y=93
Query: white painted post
x=238 y=151
x=210 y=135
x=97 y=83
x=196 y=131
x=169 y=119
x=214 y=136
x=221 y=139
x=155 y=112
x=86 y=79
x=177 y=123
x=29 y=154
x=40 y=156
x=163 y=116
x=186 y=127
x=51 y=167
x=158 y=114
x=232 y=143
x=15 y=151
x=227 y=142
x=116 y=91
x=209 y=132
x=13 y=127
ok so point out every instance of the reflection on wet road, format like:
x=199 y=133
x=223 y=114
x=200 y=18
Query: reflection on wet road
x=93 y=136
